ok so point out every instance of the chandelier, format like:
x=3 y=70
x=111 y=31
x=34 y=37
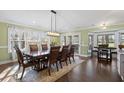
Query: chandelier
x=53 y=25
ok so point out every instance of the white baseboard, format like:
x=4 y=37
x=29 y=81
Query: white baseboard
x=85 y=55
x=7 y=61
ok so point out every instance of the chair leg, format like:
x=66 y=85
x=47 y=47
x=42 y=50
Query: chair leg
x=22 y=73
x=57 y=66
x=16 y=74
x=49 y=70
x=66 y=62
x=73 y=59
x=69 y=60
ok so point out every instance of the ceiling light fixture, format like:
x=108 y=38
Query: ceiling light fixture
x=103 y=26
x=53 y=25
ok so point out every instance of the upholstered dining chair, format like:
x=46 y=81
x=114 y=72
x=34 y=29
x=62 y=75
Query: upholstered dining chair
x=54 y=52
x=33 y=48
x=71 y=53
x=44 y=47
x=63 y=55
x=27 y=62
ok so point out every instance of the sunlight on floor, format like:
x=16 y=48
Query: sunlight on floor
x=9 y=74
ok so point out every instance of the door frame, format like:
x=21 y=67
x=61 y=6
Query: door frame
x=73 y=34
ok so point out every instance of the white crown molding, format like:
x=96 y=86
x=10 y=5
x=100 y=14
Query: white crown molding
x=9 y=22
x=98 y=28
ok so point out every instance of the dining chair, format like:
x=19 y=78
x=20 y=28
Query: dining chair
x=24 y=62
x=63 y=55
x=54 y=52
x=71 y=53
x=44 y=47
x=103 y=55
x=33 y=48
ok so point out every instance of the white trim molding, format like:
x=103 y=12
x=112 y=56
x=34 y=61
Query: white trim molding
x=7 y=61
x=84 y=45
x=85 y=55
x=3 y=46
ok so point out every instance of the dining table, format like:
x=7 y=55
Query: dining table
x=39 y=56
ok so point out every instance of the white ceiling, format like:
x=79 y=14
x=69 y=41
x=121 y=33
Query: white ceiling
x=67 y=20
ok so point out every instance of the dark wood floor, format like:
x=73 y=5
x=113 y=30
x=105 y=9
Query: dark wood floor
x=88 y=71
x=93 y=71
x=5 y=66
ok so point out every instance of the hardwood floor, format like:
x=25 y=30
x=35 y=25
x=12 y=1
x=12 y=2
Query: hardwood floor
x=88 y=71
x=93 y=71
x=5 y=66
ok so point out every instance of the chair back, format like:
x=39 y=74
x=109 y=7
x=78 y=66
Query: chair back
x=44 y=47
x=64 y=53
x=104 y=50
x=19 y=55
x=33 y=48
x=72 y=50
x=54 y=52
x=103 y=54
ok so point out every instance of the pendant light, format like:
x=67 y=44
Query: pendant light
x=53 y=25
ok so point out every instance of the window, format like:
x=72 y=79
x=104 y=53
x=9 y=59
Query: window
x=22 y=37
x=100 y=39
x=76 y=39
x=69 y=40
x=76 y=43
x=106 y=39
x=111 y=40
x=122 y=38
x=63 y=40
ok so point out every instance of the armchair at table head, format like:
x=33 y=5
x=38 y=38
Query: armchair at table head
x=33 y=47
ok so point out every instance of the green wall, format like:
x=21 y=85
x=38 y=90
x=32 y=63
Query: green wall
x=3 y=42
x=84 y=41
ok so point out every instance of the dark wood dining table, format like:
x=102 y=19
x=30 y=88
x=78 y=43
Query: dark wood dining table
x=39 y=55
x=108 y=48
x=36 y=54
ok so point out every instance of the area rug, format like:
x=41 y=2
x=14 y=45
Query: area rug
x=34 y=76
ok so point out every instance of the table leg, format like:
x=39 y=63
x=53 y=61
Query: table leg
x=110 y=55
